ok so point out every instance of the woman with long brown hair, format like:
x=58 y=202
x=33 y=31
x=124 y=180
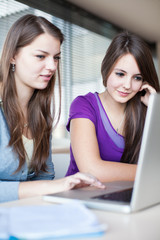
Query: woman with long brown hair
x=106 y=128
x=28 y=70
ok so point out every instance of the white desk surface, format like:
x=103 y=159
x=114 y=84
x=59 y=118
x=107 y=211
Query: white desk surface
x=143 y=225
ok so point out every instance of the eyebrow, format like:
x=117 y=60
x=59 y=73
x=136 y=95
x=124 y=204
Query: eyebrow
x=47 y=52
x=125 y=71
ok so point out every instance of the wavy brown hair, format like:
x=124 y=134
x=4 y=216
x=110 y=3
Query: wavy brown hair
x=22 y=33
x=122 y=44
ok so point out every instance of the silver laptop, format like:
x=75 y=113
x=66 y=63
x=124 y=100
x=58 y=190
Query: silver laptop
x=125 y=196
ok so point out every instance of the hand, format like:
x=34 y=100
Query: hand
x=81 y=180
x=149 y=90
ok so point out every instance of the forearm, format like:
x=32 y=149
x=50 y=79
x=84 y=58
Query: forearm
x=86 y=152
x=107 y=171
x=42 y=187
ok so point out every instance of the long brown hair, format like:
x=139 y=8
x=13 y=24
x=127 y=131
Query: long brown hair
x=122 y=44
x=22 y=33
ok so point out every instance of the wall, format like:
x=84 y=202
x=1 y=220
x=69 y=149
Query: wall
x=61 y=163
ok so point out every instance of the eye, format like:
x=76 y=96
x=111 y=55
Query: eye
x=120 y=74
x=138 y=78
x=57 y=58
x=40 y=56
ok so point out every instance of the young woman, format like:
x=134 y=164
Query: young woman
x=28 y=68
x=106 y=128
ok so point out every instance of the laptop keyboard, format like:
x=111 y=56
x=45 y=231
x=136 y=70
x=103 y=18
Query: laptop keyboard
x=120 y=196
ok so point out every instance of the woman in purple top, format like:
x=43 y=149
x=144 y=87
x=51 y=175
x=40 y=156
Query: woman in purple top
x=106 y=128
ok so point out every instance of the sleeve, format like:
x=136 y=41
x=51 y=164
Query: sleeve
x=8 y=191
x=81 y=107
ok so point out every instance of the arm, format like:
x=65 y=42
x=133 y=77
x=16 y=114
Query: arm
x=14 y=190
x=11 y=190
x=38 y=188
x=86 y=153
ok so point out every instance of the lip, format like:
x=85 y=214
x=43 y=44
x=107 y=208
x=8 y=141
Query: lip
x=46 y=77
x=123 y=94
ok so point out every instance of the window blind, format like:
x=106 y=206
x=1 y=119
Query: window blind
x=82 y=54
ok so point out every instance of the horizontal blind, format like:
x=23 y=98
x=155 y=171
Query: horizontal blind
x=10 y=11
x=82 y=54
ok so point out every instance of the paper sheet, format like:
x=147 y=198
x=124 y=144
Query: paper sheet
x=49 y=221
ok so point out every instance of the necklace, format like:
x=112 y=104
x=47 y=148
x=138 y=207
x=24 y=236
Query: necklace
x=117 y=129
x=104 y=100
x=25 y=125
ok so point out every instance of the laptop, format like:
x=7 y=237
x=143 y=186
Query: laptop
x=126 y=196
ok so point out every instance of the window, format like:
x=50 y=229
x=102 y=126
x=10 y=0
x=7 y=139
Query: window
x=82 y=51
x=82 y=54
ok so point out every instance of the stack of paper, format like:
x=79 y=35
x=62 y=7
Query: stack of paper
x=49 y=222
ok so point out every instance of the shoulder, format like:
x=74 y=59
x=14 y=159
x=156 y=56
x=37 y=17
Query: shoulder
x=89 y=96
x=87 y=100
x=84 y=107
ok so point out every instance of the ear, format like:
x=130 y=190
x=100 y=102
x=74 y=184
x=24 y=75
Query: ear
x=13 y=61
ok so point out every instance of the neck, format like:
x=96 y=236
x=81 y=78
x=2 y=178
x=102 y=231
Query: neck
x=23 y=99
x=115 y=111
x=113 y=106
x=24 y=94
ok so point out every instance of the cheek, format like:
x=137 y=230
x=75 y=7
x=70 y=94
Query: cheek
x=22 y=63
x=136 y=86
x=112 y=82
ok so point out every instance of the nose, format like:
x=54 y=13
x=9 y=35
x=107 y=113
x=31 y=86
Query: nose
x=127 y=83
x=51 y=64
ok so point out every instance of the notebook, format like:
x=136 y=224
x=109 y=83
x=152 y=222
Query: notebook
x=125 y=196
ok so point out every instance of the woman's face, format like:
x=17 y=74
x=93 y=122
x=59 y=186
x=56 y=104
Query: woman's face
x=125 y=79
x=36 y=63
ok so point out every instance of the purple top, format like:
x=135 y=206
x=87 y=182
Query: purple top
x=111 y=144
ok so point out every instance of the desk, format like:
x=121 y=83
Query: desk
x=144 y=225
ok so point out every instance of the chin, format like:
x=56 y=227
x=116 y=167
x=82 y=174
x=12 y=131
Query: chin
x=122 y=99
x=41 y=87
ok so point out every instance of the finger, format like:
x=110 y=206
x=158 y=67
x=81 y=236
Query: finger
x=98 y=184
x=148 y=87
x=71 y=182
x=89 y=179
